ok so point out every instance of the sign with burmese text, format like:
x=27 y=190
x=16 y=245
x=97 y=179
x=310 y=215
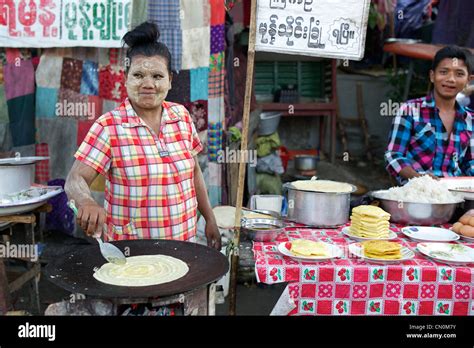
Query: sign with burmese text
x=322 y=28
x=64 y=23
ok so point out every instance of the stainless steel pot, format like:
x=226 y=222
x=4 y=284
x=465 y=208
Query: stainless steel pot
x=305 y=162
x=319 y=209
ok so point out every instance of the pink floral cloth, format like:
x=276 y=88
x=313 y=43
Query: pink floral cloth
x=352 y=286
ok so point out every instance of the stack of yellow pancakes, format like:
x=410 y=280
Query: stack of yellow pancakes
x=368 y=221
x=380 y=249
x=306 y=247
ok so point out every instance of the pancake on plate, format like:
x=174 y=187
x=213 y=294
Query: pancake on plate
x=381 y=249
x=368 y=221
x=306 y=247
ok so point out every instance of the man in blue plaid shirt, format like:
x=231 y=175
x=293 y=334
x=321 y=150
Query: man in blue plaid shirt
x=434 y=135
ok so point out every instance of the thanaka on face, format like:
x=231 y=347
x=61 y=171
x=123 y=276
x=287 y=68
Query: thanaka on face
x=450 y=77
x=148 y=82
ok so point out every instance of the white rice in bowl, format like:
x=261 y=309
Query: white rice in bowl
x=423 y=189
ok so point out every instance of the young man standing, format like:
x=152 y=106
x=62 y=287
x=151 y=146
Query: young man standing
x=434 y=135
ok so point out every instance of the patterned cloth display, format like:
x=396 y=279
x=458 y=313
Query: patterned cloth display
x=199 y=84
x=83 y=126
x=46 y=99
x=217 y=38
x=112 y=83
x=42 y=167
x=216 y=75
x=90 y=78
x=167 y=15
x=351 y=286
x=195 y=14
x=216 y=114
x=196 y=33
x=18 y=98
x=180 y=88
x=139 y=12
x=48 y=73
x=19 y=79
x=198 y=112
x=203 y=53
x=218 y=12
x=60 y=134
x=173 y=39
x=196 y=48
x=216 y=110
x=71 y=74
x=21 y=112
x=214 y=142
x=3 y=107
x=72 y=93
x=164 y=13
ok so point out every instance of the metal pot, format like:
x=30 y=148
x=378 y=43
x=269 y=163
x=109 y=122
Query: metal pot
x=305 y=162
x=320 y=209
x=15 y=178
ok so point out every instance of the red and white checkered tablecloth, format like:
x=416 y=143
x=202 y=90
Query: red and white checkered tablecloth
x=352 y=286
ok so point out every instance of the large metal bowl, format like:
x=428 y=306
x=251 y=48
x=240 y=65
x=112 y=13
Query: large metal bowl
x=261 y=230
x=408 y=213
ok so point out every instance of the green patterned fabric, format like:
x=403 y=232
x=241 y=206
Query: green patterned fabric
x=139 y=12
x=3 y=106
x=21 y=112
x=267 y=144
x=269 y=184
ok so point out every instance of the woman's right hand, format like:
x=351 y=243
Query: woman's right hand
x=91 y=217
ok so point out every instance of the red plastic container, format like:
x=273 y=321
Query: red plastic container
x=284 y=155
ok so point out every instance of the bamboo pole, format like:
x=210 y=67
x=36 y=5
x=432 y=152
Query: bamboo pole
x=242 y=164
x=4 y=291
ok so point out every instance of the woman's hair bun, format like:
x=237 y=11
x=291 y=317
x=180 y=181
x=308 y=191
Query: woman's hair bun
x=143 y=34
x=143 y=40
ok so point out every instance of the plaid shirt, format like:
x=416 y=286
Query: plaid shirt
x=419 y=139
x=150 y=183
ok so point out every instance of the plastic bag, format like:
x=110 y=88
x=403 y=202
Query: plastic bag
x=410 y=16
x=270 y=164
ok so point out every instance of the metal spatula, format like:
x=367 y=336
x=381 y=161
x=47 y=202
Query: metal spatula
x=109 y=251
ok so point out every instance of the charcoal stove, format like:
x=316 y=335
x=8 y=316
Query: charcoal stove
x=74 y=272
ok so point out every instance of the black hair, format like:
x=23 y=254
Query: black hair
x=143 y=40
x=454 y=52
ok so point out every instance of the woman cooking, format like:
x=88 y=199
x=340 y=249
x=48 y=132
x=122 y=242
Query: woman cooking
x=434 y=135
x=146 y=149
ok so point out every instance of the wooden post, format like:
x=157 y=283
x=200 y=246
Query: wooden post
x=391 y=19
x=4 y=290
x=242 y=165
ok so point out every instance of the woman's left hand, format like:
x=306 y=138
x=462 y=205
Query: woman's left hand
x=213 y=235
